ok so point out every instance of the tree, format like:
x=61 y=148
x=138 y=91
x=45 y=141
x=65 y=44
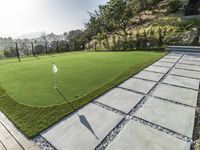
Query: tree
x=174 y=5
x=116 y=17
x=76 y=39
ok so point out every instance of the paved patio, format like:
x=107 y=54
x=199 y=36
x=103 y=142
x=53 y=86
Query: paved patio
x=154 y=110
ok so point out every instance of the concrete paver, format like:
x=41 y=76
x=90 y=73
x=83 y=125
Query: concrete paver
x=189 y=62
x=169 y=60
x=153 y=76
x=175 y=117
x=182 y=81
x=157 y=69
x=136 y=136
x=176 y=94
x=176 y=54
x=120 y=99
x=163 y=64
x=187 y=67
x=176 y=57
x=84 y=132
x=186 y=73
x=192 y=56
x=138 y=85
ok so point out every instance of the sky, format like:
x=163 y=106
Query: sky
x=19 y=17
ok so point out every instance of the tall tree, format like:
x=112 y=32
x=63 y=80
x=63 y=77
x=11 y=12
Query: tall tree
x=116 y=17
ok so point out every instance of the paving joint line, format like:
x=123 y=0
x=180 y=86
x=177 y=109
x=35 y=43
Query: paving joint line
x=12 y=135
x=162 y=129
x=184 y=76
x=191 y=60
x=131 y=90
x=187 y=69
x=143 y=79
x=3 y=145
x=160 y=98
x=112 y=134
x=170 y=101
x=110 y=108
x=164 y=99
x=189 y=64
x=196 y=130
x=154 y=71
x=161 y=66
x=43 y=143
x=178 y=86
x=171 y=58
x=115 y=131
x=167 y=61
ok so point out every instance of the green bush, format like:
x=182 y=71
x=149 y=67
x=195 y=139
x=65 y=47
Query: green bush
x=174 y=5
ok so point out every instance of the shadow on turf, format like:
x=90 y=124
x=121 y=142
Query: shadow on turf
x=82 y=118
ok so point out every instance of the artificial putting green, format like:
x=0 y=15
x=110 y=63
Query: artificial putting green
x=30 y=100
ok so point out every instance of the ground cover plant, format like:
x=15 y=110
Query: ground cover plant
x=27 y=94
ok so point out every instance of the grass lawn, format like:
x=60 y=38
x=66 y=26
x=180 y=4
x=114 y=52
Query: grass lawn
x=27 y=94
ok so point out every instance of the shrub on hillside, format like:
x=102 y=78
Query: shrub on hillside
x=174 y=5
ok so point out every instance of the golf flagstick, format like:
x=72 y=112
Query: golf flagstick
x=82 y=118
x=55 y=70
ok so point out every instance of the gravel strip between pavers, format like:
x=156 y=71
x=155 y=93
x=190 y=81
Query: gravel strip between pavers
x=130 y=116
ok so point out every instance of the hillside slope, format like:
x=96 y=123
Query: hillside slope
x=158 y=27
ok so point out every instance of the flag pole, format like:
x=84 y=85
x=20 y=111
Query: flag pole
x=55 y=70
x=54 y=74
x=55 y=80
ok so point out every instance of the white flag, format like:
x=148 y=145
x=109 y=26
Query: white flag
x=55 y=69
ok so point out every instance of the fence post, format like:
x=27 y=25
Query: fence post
x=17 y=51
x=46 y=47
x=32 y=49
x=67 y=47
x=57 y=47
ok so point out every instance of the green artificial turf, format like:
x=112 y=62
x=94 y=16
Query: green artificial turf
x=27 y=94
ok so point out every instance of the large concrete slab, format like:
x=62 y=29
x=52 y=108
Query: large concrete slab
x=186 y=73
x=138 y=85
x=157 y=69
x=163 y=64
x=188 y=67
x=189 y=62
x=182 y=81
x=175 y=117
x=136 y=136
x=176 y=94
x=168 y=60
x=153 y=76
x=192 y=56
x=85 y=132
x=120 y=99
x=177 y=54
x=176 y=57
